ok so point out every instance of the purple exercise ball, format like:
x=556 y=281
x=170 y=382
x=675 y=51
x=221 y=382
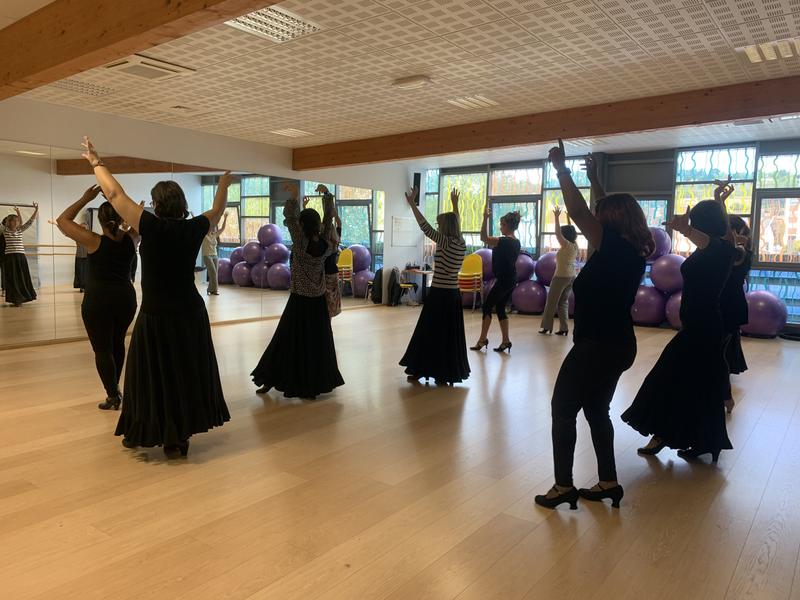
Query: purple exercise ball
x=546 y=268
x=241 y=274
x=361 y=258
x=649 y=307
x=253 y=253
x=360 y=280
x=236 y=256
x=525 y=267
x=269 y=234
x=767 y=314
x=674 y=310
x=258 y=275
x=663 y=243
x=277 y=253
x=665 y=273
x=486 y=257
x=224 y=269
x=279 y=277
x=529 y=297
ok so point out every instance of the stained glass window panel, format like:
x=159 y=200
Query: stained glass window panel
x=655 y=211
x=779 y=171
x=516 y=182
x=779 y=230
x=472 y=187
x=740 y=202
x=553 y=198
x=527 y=231
x=255 y=207
x=716 y=163
x=578 y=174
x=784 y=284
x=353 y=193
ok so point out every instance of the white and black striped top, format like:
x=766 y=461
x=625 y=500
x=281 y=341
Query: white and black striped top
x=14 y=243
x=448 y=257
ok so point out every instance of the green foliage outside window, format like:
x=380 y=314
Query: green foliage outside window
x=516 y=182
x=472 y=187
x=779 y=171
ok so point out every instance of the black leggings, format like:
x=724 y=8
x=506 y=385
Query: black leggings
x=497 y=299
x=106 y=327
x=587 y=380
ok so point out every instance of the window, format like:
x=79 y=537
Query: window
x=779 y=230
x=739 y=203
x=472 y=187
x=527 y=233
x=516 y=182
x=779 y=171
x=355 y=224
x=517 y=189
x=655 y=211
x=254 y=206
x=232 y=234
x=553 y=197
x=353 y=193
x=784 y=284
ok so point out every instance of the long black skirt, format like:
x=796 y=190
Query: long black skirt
x=735 y=355
x=81 y=273
x=438 y=348
x=300 y=360
x=682 y=398
x=17 y=279
x=172 y=385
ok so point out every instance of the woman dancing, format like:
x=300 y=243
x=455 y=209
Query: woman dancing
x=561 y=285
x=172 y=388
x=504 y=265
x=332 y=233
x=438 y=347
x=681 y=400
x=16 y=275
x=604 y=341
x=109 y=303
x=300 y=360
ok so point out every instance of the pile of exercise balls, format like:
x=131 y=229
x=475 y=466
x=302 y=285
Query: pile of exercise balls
x=362 y=260
x=262 y=263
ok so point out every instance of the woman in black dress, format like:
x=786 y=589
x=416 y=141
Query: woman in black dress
x=300 y=360
x=172 y=387
x=109 y=303
x=16 y=274
x=438 y=347
x=681 y=402
x=604 y=341
x=504 y=266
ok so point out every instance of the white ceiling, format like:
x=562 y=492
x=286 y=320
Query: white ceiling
x=527 y=55
x=14 y=10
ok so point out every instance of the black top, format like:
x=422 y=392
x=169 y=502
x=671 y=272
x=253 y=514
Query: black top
x=504 y=258
x=330 y=263
x=605 y=290
x=732 y=302
x=169 y=249
x=705 y=273
x=110 y=272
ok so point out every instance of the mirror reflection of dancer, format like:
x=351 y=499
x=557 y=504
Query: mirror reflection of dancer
x=16 y=274
x=109 y=302
x=210 y=257
x=563 y=278
x=300 y=360
x=332 y=232
x=81 y=263
x=172 y=387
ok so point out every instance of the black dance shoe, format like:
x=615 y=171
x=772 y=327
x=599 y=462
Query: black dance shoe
x=545 y=331
x=503 y=347
x=614 y=494
x=127 y=443
x=264 y=389
x=111 y=403
x=694 y=454
x=570 y=496
x=480 y=345
x=651 y=450
x=563 y=332
x=176 y=450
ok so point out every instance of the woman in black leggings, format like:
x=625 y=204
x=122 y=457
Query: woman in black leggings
x=504 y=265
x=604 y=341
x=109 y=303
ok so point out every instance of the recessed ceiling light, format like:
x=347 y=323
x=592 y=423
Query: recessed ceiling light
x=411 y=83
x=31 y=153
x=785 y=48
x=290 y=132
x=768 y=50
x=745 y=122
x=788 y=117
x=472 y=102
x=148 y=68
x=275 y=24
x=585 y=143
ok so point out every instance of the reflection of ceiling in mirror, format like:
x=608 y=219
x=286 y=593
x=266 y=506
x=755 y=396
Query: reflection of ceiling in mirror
x=36 y=150
x=14 y=10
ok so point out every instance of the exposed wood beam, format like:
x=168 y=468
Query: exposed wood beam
x=70 y=36
x=729 y=103
x=126 y=165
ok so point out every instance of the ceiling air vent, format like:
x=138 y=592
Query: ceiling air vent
x=275 y=24
x=182 y=110
x=289 y=132
x=82 y=87
x=585 y=143
x=472 y=102
x=148 y=68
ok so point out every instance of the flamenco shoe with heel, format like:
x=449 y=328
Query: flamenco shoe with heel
x=111 y=403
x=563 y=332
x=480 y=345
x=547 y=501
x=128 y=444
x=693 y=454
x=176 y=450
x=545 y=331
x=651 y=449
x=503 y=347
x=614 y=493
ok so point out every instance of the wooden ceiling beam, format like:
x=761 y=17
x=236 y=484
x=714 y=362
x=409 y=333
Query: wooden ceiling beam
x=126 y=165
x=67 y=37
x=721 y=104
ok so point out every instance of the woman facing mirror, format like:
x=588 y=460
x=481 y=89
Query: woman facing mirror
x=16 y=274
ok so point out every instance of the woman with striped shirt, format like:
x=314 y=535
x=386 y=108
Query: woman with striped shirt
x=438 y=347
x=16 y=275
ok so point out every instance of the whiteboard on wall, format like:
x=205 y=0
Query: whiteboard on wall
x=405 y=232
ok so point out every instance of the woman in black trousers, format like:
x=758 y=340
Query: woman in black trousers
x=604 y=341
x=109 y=303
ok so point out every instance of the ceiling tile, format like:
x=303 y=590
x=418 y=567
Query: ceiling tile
x=730 y=12
x=671 y=24
x=333 y=13
x=626 y=10
x=491 y=37
x=447 y=16
x=766 y=30
x=517 y=7
x=386 y=31
x=433 y=51
x=571 y=18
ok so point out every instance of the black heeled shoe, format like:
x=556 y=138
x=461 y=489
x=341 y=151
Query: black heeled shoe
x=128 y=444
x=175 y=450
x=503 y=347
x=264 y=389
x=652 y=450
x=692 y=454
x=570 y=496
x=544 y=331
x=614 y=494
x=563 y=332
x=480 y=345
x=111 y=403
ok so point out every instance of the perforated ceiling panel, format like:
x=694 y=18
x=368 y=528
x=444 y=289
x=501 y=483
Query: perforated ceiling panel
x=526 y=55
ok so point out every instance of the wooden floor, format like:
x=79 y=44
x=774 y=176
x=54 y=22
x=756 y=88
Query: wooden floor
x=386 y=489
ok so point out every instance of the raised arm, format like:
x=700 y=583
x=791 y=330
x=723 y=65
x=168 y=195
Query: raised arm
x=291 y=212
x=723 y=190
x=129 y=210
x=426 y=228
x=573 y=199
x=562 y=241
x=66 y=221
x=30 y=221
x=221 y=229
x=680 y=223
x=455 y=195
x=214 y=213
x=590 y=164
x=487 y=239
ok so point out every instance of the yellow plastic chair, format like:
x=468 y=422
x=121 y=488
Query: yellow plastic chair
x=345 y=265
x=470 y=277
